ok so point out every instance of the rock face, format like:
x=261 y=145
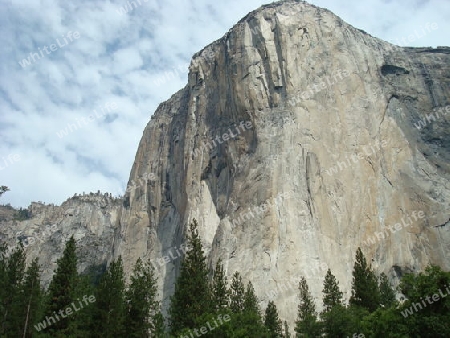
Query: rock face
x=297 y=139
x=332 y=155
x=91 y=218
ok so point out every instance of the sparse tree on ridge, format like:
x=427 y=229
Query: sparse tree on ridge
x=3 y=189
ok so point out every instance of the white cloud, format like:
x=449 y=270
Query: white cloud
x=126 y=60
x=118 y=58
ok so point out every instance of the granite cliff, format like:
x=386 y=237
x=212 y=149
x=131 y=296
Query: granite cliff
x=297 y=139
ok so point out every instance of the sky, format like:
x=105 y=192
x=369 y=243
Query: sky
x=79 y=80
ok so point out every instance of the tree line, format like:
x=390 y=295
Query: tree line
x=205 y=304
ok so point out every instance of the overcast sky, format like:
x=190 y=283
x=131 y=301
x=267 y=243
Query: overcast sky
x=91 y=55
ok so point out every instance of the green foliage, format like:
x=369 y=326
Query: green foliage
x=12 y=276
x=332 y=296
x=354 y=319
x=306 y=324
x=237 y=292
x=387 y=294
x=251 y=313
x=335 y=317
x=26 y=309
x=133 y=311
x=22 y=214
x=427 y=316
x=365 y=291
x=286 y=333
x=192 y=298
x=28 y=302
x=217 y=325
x=219 y=289
x=272 y=322
x=109 y=308
x=61 y=292
x=159 y=326
x=143 y=310
x=338 y=322
x=251 y=301
x=383 y=321
x=81 y=320
x=3 y=189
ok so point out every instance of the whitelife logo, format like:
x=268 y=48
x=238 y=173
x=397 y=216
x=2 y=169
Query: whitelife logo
x=292 y=284
x=204 y=329
x=30 y=240
x=436 y=111
x=260 y=209
x=11 y=159
x=131 y=5
x=413 y=37
x=72 y=127
x=409 y=311
x=356 y=157
x=171 y=74
x=68 y=311
x=184 y=247
x=398 y=226
x=224 y=137
x=71 y=36
x=318 y=86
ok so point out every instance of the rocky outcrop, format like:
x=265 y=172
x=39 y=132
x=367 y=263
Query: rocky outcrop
x=91 y=218
x=332 y=114
x=297 y=139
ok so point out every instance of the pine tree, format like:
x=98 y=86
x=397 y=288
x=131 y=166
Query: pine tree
x=332 y=296
x=14 y=272
x=219 y=290
x=333 y=314
x=159 y=326
x=248 y=322
x=84 y=295
x=306 y=324
x=192 y=298
x=365 y=292
x=29 y=301
x=142 y=306
x=3 y=282
x=237 y=292
x=109 y=311
x=272 y=322
x=61 y=293
x=387 y=294
x=250 y=300
x=286 y=332
x=3 y=287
